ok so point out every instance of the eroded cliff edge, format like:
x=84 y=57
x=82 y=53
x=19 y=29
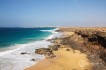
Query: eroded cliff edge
x=91 y=41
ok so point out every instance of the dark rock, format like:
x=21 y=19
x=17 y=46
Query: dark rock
x=40 y=51
x=67 y=49
x=54 y=47
x=48 y=55
x=24 y=53
x=33 y=59
x=45 y=51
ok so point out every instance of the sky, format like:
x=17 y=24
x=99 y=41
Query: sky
x=34 y=13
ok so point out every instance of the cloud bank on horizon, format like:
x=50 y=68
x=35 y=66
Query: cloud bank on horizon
x=32 y=13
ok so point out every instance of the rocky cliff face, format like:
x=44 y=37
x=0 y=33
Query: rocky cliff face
x=94 y=35
x=91 y=41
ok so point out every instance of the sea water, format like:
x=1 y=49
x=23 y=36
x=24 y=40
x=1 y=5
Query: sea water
x=14 y=41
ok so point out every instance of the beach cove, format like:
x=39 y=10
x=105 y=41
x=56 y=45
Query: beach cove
x=70 y=53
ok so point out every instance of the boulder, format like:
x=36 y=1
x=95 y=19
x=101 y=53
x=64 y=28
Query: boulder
x=33 y=59
x=43 y=51
x=24 y=53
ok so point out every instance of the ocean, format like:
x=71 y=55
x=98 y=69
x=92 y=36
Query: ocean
x=14 y=41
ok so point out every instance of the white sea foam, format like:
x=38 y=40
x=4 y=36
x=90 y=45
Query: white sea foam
x=14 y=60
x=52 y=31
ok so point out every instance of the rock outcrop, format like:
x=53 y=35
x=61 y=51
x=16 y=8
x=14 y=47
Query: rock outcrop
x=45 y=51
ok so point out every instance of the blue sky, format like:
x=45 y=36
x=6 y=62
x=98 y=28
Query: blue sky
x=32 y=13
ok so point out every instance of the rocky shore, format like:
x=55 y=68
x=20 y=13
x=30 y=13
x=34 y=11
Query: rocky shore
x=90 y=41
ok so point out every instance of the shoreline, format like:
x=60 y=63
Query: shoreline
x=12 y=48
x=58 y=56
x=50 y=62
x=23 y=55
x=46 y=39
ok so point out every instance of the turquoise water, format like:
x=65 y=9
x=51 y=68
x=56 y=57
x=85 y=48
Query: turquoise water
x=12 y=36
x=14 y=41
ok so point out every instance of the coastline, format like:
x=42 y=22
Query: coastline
x=21 y=55
x=62 y=59
x=69 y=55
x=53 y=35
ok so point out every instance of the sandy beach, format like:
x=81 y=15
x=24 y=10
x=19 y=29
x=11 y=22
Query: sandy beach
x=66 y=59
